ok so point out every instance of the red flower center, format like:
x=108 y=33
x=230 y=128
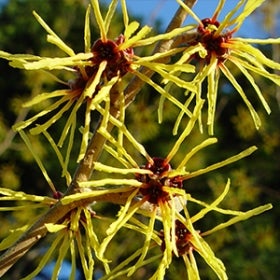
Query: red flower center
x=118 y=62
x=212 y=41
x=153 y=184
x=183 y=237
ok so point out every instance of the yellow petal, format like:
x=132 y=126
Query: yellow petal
x=53 y=37
x=87 y=33
x=140 y=34
x=109 y=15
x=131 y=28
x=57 y=63
x=241 y=217
x=54 y=227
x=220 y=164
x=239 y=89
x=110 y=181
x=99 y=19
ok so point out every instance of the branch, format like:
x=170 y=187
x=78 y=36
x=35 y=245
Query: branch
x=86 y=166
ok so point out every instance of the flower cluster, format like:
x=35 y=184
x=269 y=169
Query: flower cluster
x=153 y=196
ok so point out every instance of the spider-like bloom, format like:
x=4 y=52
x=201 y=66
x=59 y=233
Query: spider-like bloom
x=188 y=240
x=72 y=235
x=153 y=190
x=216 y=51
x=97 y=73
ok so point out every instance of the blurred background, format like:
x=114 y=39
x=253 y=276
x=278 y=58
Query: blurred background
x=250 y=250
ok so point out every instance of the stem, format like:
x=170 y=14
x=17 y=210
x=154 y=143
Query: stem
x=86 y=166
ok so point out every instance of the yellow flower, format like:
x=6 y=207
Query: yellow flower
x=215 y=49
x=73 y=233
x=154 y=190
x=187 y=239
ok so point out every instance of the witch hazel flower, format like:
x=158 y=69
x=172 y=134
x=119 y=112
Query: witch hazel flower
x=73 y=235
x=216 y=50
x=189 y=241
x=154 y=190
